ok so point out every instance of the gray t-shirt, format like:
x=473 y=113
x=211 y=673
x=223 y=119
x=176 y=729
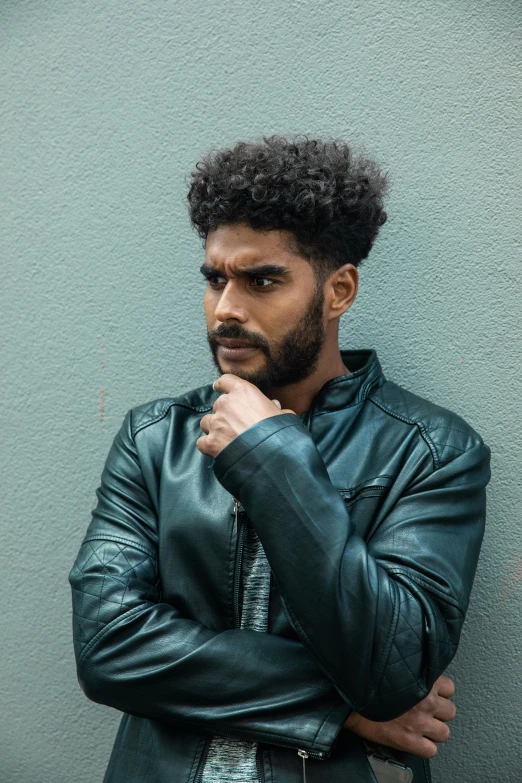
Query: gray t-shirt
x=233 y=760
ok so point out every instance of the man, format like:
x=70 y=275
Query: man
x=279 y=565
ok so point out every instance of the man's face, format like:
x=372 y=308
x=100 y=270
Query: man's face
x=263 y=308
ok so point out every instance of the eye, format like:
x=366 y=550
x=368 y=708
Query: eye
x=215 y=280
x=262 y=282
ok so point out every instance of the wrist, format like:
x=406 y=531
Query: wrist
x=352 y=720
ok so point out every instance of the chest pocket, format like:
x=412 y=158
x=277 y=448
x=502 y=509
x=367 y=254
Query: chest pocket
x=365 y=500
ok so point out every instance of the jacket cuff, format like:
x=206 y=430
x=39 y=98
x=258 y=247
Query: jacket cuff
x=249 y=440
x=332 y=726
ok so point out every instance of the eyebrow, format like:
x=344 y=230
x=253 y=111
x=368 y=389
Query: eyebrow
x=259 y=270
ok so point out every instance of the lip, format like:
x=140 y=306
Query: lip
x=230 y=342
x=235 y=349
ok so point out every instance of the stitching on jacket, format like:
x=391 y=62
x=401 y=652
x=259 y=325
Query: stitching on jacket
x=271 y=770
x=263 y=736
x=328 y=413
x=421 y=428
x=381 y=666
x=81 y=566
x=142 y=425
x=136 y=611
x=322 y=724
x=425 y=583
x=163 y=413
x=362 y=483
x=230 y=584
x=256 y=445
x=197 y=755
x=120 y=540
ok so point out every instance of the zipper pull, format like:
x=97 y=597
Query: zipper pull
x=304 y=755
x=236 y=511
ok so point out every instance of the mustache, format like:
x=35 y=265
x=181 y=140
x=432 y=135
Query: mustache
x=237 y=332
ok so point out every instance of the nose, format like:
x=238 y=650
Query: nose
x=229 y=305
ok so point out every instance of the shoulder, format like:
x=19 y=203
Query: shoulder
x=196 y=402
x=446 y=433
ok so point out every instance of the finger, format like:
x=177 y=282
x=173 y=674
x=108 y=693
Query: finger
x=409 y=741
x=225 y=383
x=288 y=410
x=438 y=731
x=445 y=711
x=202 y=446
x=445 y=686
x=425 y=748
x=276 y=402
x=205 y=423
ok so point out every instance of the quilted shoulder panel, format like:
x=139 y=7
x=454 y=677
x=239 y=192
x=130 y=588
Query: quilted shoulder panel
x=150 y=412
x=447 y=433
x=198 y=400
x=108 y=578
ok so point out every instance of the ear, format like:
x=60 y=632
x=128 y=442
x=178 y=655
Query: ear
x=341 y=289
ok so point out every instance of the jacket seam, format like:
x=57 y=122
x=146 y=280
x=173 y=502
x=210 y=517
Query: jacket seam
x=418 y=424
x=163 y=413
x=323 y=723
x=265 y=736
x=381 y=667
x=198 y=754
x=242 y=456
x=431 y=588
x=109 y=626
x=121 y=540
x=365 y=483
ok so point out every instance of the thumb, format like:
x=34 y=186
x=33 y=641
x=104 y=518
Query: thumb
x=288 y=410
x=276 y=402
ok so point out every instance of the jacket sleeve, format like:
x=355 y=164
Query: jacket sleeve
x=383 y=617
x=142 y=656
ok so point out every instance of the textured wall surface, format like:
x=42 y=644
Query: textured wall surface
x=105 y=108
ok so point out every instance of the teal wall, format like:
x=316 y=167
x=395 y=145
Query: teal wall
x=104 y=109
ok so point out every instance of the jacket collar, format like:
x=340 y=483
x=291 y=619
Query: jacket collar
x=350 y=389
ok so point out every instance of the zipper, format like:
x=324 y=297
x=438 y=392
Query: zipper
x=259 y=764
x=304 y=754
x=202 y=759
x=240 y=530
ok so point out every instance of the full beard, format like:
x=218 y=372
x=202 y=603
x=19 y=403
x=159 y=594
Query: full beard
x=291 y=359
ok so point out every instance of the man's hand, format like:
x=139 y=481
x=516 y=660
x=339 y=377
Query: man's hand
x=240 y=406
x=417 y=730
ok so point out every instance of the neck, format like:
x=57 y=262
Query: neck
x=299 y=396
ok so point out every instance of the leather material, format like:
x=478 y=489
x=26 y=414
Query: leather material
x=371 y=510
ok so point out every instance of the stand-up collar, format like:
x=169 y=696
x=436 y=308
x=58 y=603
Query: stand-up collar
x=352 y=388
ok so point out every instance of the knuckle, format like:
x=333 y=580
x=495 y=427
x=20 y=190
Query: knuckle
x=446 y=686
x=428 y=750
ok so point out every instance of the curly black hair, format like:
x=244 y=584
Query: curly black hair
x=328 y=197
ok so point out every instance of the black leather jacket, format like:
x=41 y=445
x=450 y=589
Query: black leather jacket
x=370 y=508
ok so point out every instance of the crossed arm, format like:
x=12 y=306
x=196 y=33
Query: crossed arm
x=140 y=655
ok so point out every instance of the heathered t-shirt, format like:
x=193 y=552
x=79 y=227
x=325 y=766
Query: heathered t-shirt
x=233 y=760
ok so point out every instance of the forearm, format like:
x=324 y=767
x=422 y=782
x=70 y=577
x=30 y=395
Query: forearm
x=144 y=658
x=382 y=631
